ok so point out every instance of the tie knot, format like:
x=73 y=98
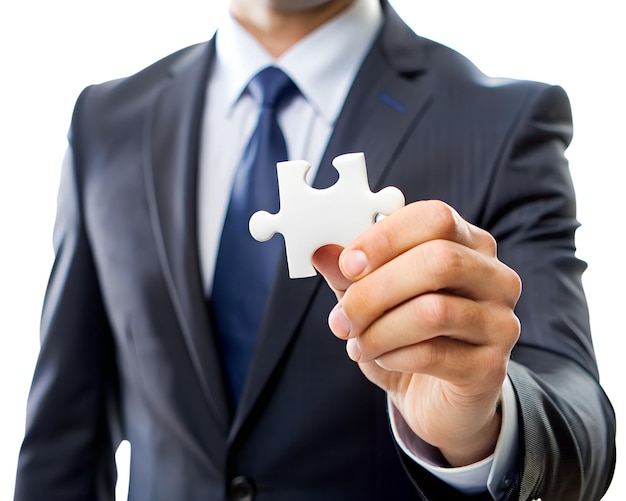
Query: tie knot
x=270 y=86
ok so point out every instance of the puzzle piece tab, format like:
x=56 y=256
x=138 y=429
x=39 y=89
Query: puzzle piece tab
x=310 y=218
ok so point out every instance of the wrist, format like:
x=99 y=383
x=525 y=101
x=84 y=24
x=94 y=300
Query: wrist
x=478 y=446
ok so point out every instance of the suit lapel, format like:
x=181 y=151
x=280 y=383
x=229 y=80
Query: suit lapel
x=381 y=111
x=384 y=105
x=171 y=159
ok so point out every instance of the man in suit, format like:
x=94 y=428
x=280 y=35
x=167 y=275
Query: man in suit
x=462 y=405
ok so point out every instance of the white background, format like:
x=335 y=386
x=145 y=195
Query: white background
x=51 y=50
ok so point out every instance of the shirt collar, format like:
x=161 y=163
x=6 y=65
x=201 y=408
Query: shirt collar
x=322 y=73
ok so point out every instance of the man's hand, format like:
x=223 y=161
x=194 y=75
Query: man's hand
x=426 y=308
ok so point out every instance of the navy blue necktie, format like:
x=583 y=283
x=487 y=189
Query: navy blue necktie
x=245 y=267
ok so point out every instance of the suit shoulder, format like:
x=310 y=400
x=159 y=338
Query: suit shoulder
x=460 y=70
x=460 y=81
x=115 y=108
x=131 y=91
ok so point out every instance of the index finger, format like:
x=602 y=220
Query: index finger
x=406 y=228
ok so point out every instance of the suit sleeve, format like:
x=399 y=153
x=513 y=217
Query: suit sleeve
x=566 y=422
x=567 y=425
x=68 y=449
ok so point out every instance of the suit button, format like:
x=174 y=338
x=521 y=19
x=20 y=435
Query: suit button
x=241 y=489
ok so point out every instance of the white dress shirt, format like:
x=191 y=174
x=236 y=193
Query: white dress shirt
x=324 y=75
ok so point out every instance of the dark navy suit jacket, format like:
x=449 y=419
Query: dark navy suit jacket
x=128 y=350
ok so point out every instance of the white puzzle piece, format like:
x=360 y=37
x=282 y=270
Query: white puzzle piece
x=310 y=218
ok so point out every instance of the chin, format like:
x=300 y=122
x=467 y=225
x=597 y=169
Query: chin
x=299 y=5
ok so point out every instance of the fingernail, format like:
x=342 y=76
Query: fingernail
x=339 y=323
x=354 y=262
x=352 y=347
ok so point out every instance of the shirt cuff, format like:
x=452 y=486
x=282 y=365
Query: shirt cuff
x=494 y=473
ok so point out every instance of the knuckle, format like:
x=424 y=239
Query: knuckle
x=431 y=311
x=368 y=346
x=517 y=284
x=514 y=328
x=357 y=300
x=445 y=261
x=514 y=285
x=435 y=354
x=507 y=330
x=445 y=217
x=388 y=241
x=489 y=243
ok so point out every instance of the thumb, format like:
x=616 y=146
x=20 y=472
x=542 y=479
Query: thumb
x=378 y=375
x=326 y=261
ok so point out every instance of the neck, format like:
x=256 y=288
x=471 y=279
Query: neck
x=278 y=28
